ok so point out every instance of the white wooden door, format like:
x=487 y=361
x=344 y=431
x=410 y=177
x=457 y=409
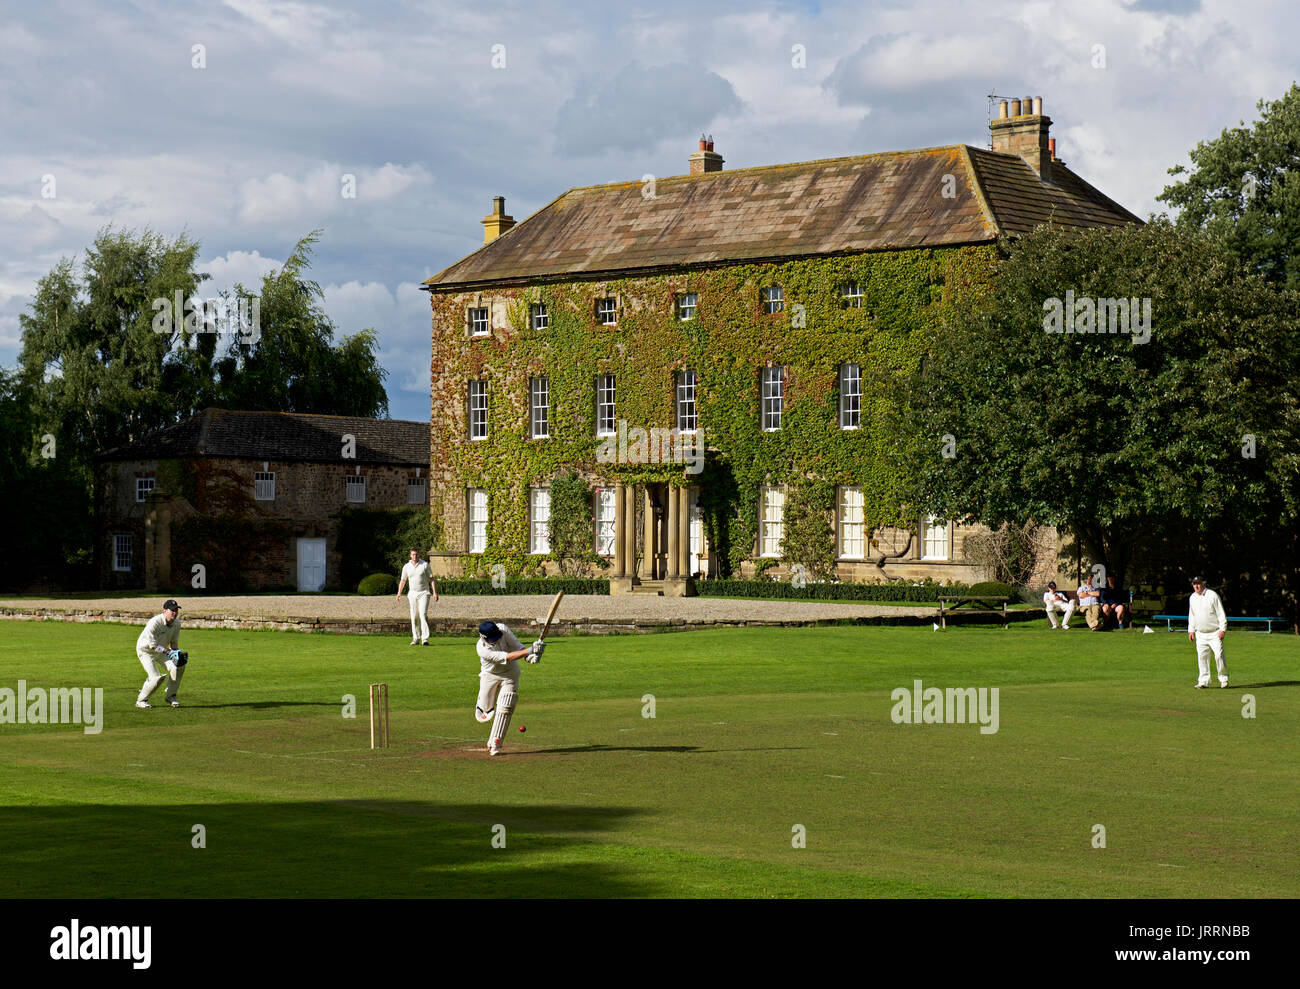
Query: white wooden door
x=311 y=564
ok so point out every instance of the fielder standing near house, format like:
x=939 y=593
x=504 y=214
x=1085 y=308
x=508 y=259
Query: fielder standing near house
x=420 y=575
x=1207 y=624
x=162 y=634
x=499 y=652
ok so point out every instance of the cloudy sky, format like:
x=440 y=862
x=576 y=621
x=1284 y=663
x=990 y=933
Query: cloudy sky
x=432 y=108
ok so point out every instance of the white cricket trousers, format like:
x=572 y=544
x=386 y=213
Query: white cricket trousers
x=155 y=676
x=419 y=623
x=1207 y=644
x=491 y=689
x=1067 y=609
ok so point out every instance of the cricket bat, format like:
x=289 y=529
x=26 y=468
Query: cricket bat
x=550 y=615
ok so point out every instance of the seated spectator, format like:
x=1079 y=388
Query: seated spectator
x=1114 y=603
x=1054 y=601
x=1090 y=603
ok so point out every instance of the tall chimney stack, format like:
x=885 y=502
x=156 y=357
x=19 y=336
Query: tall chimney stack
x=496 y=223
x=1024 y=132
x=706 y=159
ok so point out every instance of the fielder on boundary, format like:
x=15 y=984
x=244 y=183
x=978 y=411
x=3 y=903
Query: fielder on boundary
x=499 y=653
x=162 y=634
x=1207 y=624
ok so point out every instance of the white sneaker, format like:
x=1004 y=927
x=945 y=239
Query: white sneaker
x=1065 y=625
x=415 y=642
x=494 y=747
x=143 y=704
x=174 y=703
x=483 y=717
x=1223 y=684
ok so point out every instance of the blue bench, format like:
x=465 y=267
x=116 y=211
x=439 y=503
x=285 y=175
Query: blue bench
x=1170 y=619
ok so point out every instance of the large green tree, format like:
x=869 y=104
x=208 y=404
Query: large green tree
x=293 y=364
x=1130 y=446
x=1244 y=187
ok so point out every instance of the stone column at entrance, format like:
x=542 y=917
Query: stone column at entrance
x=650 y=527
x=674 y=539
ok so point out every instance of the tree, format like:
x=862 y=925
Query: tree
x=573 y=534
x=1245 y=189
x=294 y=365
x=1123 y=443
x=808 y=539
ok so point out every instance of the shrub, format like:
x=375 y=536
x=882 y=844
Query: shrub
x=518 y=585
x=992 y=588
x=378 y=583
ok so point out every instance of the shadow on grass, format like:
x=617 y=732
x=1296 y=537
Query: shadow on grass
x=260 y=705
x=345 y=849
x=1258 y=686
x=596 y=747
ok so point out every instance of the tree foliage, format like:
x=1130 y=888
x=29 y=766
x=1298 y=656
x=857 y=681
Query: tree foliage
x=1123 y=443
x=1244 y=188
x=809 y=527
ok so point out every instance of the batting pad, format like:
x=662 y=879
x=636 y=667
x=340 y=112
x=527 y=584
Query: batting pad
x=505 y=707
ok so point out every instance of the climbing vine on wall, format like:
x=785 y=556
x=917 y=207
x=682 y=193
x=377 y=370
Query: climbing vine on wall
x=906 y=296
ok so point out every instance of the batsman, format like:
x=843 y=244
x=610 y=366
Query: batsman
x=499 y=652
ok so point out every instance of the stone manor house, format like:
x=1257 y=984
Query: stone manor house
x=747 y=312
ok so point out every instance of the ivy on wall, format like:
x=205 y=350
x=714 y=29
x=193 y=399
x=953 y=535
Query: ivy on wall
x=906 y=296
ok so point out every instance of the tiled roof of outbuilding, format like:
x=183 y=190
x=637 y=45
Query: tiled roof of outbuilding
x=283 y=436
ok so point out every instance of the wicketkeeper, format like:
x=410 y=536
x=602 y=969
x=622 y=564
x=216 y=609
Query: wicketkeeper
x=499 y=653
x=162 y=634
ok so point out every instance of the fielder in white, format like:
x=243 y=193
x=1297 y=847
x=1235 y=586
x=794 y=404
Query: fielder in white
x=1207 y=624
x=499 y=653
x=162 y=634
x=1056 y=601
x=420 y=575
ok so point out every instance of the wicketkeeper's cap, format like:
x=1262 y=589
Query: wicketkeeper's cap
x=170 y=605
x=1198 y=580
x=1052 y=584
x=489 y=631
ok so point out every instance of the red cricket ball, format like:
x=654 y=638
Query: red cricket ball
x=522 y=728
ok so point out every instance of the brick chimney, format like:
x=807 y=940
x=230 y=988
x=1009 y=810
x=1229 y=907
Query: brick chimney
x=496 y=223
x=706 y=159
x=1022 y=130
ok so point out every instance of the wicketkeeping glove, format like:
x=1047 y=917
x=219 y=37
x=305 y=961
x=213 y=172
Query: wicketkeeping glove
x=178 y=657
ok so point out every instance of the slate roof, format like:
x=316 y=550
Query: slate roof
x=283 y=436
x=834 y=206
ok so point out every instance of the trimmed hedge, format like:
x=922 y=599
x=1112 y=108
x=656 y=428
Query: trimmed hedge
x=523 y=585
x=992 y=588
x=378 y=583
x=926 y=593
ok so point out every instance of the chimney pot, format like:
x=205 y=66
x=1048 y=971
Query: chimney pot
x=1051 y=147
x=1002 y=110
x=1015 y=108
x=706 y=159
x=1038 y=106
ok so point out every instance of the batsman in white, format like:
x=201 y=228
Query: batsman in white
x=499 y=652
x=162 y=634
x=1207 y=624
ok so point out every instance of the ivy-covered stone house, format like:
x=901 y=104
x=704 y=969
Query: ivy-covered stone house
x=705 y=350
x=226 y=501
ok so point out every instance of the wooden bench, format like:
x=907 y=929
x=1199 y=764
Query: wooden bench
x=1170 y=619
x=992 y=606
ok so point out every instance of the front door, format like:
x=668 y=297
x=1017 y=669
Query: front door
x=311 y=564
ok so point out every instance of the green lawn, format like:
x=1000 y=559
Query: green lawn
x=756 y=731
